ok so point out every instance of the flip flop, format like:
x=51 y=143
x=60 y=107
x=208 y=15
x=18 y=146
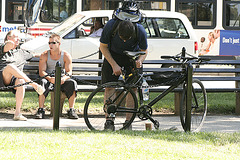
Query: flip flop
x=40 y=90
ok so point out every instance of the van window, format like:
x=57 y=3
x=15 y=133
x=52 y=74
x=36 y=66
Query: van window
x=57 y=11
x=15 y=11
x=165 y=28
x=85 y=28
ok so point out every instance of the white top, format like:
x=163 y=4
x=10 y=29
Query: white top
x=96 y=33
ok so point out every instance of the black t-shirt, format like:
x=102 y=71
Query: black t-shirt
x=16 y=56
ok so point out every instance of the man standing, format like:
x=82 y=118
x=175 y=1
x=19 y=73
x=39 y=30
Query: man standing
x=112 y=48
x=47 y=64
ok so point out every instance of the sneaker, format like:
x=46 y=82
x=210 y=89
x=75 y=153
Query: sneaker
x=109 y=125
x=71 y=114
x=129 y=127
x=40 y=113
x=20 y=117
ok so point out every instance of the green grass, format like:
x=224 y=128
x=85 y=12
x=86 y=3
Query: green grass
x=77 y=144
x=218 y=103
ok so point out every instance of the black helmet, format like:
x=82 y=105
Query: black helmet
x=128 y=11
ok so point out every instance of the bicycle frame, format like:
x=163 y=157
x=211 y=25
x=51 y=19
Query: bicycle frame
x=124 y=97
x=187 y=68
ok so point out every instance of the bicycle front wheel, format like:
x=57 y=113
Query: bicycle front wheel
x=122 y=112
x=199 y=106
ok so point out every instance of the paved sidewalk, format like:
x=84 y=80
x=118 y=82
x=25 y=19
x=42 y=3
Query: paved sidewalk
x=223 y=123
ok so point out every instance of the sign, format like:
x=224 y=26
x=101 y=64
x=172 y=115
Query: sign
x=229 y=43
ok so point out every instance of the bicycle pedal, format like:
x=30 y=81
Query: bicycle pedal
x=111 y=115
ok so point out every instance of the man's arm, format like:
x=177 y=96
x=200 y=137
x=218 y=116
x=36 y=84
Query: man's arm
x=68 y=67
x=43 y=67
x=105 y=51
x=141 y=58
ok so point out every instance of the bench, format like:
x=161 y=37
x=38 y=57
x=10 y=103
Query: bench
x=88 y=72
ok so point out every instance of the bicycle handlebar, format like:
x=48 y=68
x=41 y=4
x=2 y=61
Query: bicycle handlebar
x=182 y=56
x=179 y=58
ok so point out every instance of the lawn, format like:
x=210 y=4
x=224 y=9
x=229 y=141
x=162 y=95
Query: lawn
x=218 y=103
x=82 y=144
x=77 y=144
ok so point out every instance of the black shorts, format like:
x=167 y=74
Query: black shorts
x=122 y=61
x=12 y=82
x=68 y=87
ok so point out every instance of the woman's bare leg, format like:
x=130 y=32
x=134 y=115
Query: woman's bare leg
x=20 y=92
x=11 y=70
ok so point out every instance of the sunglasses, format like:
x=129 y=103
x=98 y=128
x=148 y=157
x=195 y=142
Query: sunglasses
x=52 y=43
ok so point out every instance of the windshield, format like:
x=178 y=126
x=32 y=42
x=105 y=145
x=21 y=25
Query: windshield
x=67 y=24
x=32 y=11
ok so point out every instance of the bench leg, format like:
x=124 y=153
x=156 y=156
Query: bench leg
x=177 y=100
x=62 y=99
x=237 y=109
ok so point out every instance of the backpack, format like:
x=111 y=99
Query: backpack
x=128 y=11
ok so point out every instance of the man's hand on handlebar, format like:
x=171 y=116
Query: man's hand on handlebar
x=138 y=63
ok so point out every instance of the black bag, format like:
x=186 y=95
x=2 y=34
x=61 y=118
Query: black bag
x=166 y=78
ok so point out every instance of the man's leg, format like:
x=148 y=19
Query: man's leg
x=69 y=88
x=130 y=103
x=41 y=99
x=108 y=92
x=72 y=100
x=41 y=112
x=109 y=124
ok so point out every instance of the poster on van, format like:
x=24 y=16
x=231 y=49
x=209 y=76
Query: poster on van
x=230 y=45
x=209 y=44
x=220 y=42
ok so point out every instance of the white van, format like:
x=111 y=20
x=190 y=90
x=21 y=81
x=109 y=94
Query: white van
x=167 y=33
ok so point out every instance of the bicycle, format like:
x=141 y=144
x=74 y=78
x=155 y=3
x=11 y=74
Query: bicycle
x=193 y=106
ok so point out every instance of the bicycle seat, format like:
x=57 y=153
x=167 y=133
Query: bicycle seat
x=132 y=54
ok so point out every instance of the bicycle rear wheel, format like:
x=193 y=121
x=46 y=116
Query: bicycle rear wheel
x=95 y=109
x=199 y=106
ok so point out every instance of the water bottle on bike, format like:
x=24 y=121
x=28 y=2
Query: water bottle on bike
x=145 y=90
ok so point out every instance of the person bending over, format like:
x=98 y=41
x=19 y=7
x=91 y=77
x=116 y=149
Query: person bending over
x=114 y=59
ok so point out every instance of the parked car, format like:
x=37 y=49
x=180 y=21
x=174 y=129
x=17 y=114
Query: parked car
x=167 y=33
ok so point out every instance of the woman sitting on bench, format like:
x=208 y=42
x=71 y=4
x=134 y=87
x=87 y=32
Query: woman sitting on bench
x=12 y=60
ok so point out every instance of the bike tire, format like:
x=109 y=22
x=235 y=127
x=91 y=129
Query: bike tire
x=94 y=114
x=199 y=106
